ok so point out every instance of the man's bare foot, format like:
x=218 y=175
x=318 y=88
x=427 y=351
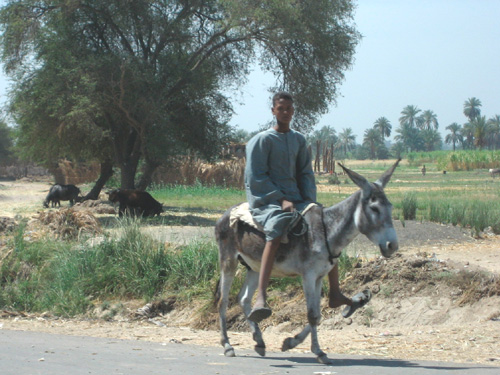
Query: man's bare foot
x=337 y=300
x=260 y=310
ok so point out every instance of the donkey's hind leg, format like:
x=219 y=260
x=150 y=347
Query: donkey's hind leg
x=245 y=298
x=228 y=270
x=292 y=342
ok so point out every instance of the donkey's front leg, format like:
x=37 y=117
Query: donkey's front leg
x=245 y=299
x=312 y=290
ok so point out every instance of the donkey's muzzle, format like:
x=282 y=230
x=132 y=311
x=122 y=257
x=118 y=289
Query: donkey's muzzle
x=389 y=248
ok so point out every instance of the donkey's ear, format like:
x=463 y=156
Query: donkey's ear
x=358 y=180
x=384 y=179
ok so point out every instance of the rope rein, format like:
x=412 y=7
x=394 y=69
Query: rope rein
x=298 y=220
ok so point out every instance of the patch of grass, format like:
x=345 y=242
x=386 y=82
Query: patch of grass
x=206 y=197
x=409 y=206
x=67 y=277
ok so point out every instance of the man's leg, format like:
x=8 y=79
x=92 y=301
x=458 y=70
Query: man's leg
x=336 y=298
x=260 y=310
x=266 y=267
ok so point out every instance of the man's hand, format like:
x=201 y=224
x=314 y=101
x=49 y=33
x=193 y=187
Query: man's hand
x=287 y=206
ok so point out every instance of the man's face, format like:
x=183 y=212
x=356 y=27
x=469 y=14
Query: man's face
x=283 y=111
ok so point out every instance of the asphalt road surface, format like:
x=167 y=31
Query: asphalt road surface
x=33 y=353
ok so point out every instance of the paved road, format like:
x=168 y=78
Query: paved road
x=33 y=353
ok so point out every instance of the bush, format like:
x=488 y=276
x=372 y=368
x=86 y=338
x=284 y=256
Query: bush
x=409 y=205
x=333 y=179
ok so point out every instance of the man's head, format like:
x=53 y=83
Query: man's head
x=283 y=108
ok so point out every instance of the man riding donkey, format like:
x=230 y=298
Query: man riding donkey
x=280 y=183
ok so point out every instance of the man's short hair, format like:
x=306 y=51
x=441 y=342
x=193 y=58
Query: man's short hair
x=282 y=95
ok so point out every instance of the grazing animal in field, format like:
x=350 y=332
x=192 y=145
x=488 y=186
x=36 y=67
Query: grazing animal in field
x=311 y=255
x=58 y=193
x=494 y=172
x=135 y=202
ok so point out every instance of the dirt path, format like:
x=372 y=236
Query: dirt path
x=406 y=319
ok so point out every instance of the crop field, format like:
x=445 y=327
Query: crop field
x=468 y=198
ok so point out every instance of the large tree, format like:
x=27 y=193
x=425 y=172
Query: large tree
x=384 y=126
x=480 y=129
x=494 y=131
x=409 y=136
x=467 y=133
x=6 y=143
x=142 y=80
x=472 y=108
x=346 y=141
x=429 y=120
x=431 y=139
x=410 y=117
x=372 y=139
x=455 y=135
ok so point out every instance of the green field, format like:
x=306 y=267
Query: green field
x=467 y=198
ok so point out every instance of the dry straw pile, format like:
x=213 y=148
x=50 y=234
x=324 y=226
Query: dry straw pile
x=189 y=171
x=66 y=223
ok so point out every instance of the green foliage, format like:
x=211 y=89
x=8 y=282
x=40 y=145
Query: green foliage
x=469 y=214
x=409 y=204
x=333 y=179
x=207 y=197
x=468 y=160
x=67 y=278
x=114 y=81
x=6 y=143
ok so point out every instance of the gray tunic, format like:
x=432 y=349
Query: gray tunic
x=278 y=166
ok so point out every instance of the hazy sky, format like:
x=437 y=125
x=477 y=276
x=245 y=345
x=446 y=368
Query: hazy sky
x=434 y=54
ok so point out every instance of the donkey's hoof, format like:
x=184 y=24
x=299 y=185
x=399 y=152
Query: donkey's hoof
x=323 y=359
x=287 y=344
x=229 y=352
x=261 y=350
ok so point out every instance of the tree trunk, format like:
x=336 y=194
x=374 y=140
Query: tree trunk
x=317 y=167
x=147 y=175
x=106 y=173
x=128 y=171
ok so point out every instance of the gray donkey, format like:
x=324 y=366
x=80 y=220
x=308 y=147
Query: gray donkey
x=310 y=256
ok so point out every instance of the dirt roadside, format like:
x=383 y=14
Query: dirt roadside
x=410 y=316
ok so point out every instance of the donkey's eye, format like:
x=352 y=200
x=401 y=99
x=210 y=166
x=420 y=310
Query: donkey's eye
x=375 y=209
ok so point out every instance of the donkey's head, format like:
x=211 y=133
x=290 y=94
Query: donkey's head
x=373 y=216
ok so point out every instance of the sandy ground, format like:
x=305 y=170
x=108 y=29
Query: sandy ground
x=405 y=324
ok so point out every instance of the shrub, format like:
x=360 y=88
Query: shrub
x=409 y=204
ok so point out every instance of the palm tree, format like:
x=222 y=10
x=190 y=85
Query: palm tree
x=480 y=126
x=431 y=139
x=372 y=139
x=409 y=115
x=494 y=128
x=383 y=126
x=429 y=120
x=398 y=149
x=455 y=135
x=346 y=141
x=409 y=136
x=472 y=108
x=467 y=133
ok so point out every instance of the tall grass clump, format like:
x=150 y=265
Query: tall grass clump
x=476 y=215
x=409 y=206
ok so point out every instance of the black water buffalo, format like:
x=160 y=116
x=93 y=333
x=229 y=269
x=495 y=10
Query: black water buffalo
x=59 y=193
x=135 y=202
